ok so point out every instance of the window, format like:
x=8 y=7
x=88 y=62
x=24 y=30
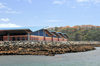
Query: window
x=18 y=38
x=13 y=38
x=1 y=38
x=23 y=38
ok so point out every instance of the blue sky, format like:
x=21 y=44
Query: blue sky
x=49 y=12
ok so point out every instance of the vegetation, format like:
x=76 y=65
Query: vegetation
x=80 y=33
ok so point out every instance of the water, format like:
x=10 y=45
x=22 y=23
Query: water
x=90 y=58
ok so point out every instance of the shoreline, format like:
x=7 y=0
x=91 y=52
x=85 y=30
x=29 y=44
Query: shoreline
x=47 y=50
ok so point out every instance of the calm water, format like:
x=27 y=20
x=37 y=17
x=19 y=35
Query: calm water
x=90 y=58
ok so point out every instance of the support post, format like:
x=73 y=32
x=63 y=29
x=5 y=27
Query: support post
x=28 y=36
x=38 y=34
x=58 y=38
x=63 y=39
x=8 y=36
x=52 y=39
x=44 y=34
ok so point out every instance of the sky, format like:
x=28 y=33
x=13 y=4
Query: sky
x=52 y=13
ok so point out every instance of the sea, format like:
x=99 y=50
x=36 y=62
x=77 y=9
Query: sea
x=89 y=58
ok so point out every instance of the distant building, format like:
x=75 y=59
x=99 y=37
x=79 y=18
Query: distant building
x=30 y=33
x=62 y=37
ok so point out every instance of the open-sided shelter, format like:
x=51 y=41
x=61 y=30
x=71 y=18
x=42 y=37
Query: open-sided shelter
x=29 y=33
x=55 y=35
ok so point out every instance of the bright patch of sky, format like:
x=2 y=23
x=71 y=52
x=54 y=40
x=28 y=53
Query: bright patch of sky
x=49 y=12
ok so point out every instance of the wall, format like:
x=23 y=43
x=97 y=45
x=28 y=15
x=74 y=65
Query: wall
x=46 y=42
x=32 y=37
x=82 y=42
x=5 y=38
x=28 y=42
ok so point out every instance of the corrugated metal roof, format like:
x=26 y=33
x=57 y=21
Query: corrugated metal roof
x=52 y=31
x=36 y=28
x=33 y=29
x=59 y=32
x=65 y=35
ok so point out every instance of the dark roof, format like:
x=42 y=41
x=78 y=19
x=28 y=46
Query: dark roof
x=19 y=30
x=61 y=34
x=66 y=35
x=48 y=32
x=24 y=28
x=55 y=34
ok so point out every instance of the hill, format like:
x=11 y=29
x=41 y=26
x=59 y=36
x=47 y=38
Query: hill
x=80 y=32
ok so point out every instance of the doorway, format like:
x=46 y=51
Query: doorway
x=1 y=38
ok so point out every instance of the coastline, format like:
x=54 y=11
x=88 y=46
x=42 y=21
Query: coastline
x=47 y=50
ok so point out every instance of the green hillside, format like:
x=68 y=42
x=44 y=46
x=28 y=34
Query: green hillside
x=80 y=33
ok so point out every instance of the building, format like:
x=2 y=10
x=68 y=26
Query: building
x=62 y=37
x=30 y=33
x=55 y=35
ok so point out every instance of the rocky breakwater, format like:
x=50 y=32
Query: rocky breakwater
x=41 y=49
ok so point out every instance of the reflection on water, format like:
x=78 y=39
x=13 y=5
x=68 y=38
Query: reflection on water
x=90 y=58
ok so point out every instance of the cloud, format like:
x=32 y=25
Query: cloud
x=7 y=10
x=53 y=20
x=82 y=0
x=5 y=25
x=4 y=19
x=2 y=5
x=73 y=7
x=59 y=2
x=5 y=22
x=96 y=1
x=89 y=1
x=30 y=1
x=12 y=12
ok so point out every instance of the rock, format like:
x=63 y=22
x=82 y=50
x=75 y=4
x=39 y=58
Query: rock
x=41 y=48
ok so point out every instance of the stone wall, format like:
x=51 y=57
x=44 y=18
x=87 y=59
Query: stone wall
x=45 y=42
x=45 y=48
x=84 y=42
x=2 y=43
x=41 y=48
